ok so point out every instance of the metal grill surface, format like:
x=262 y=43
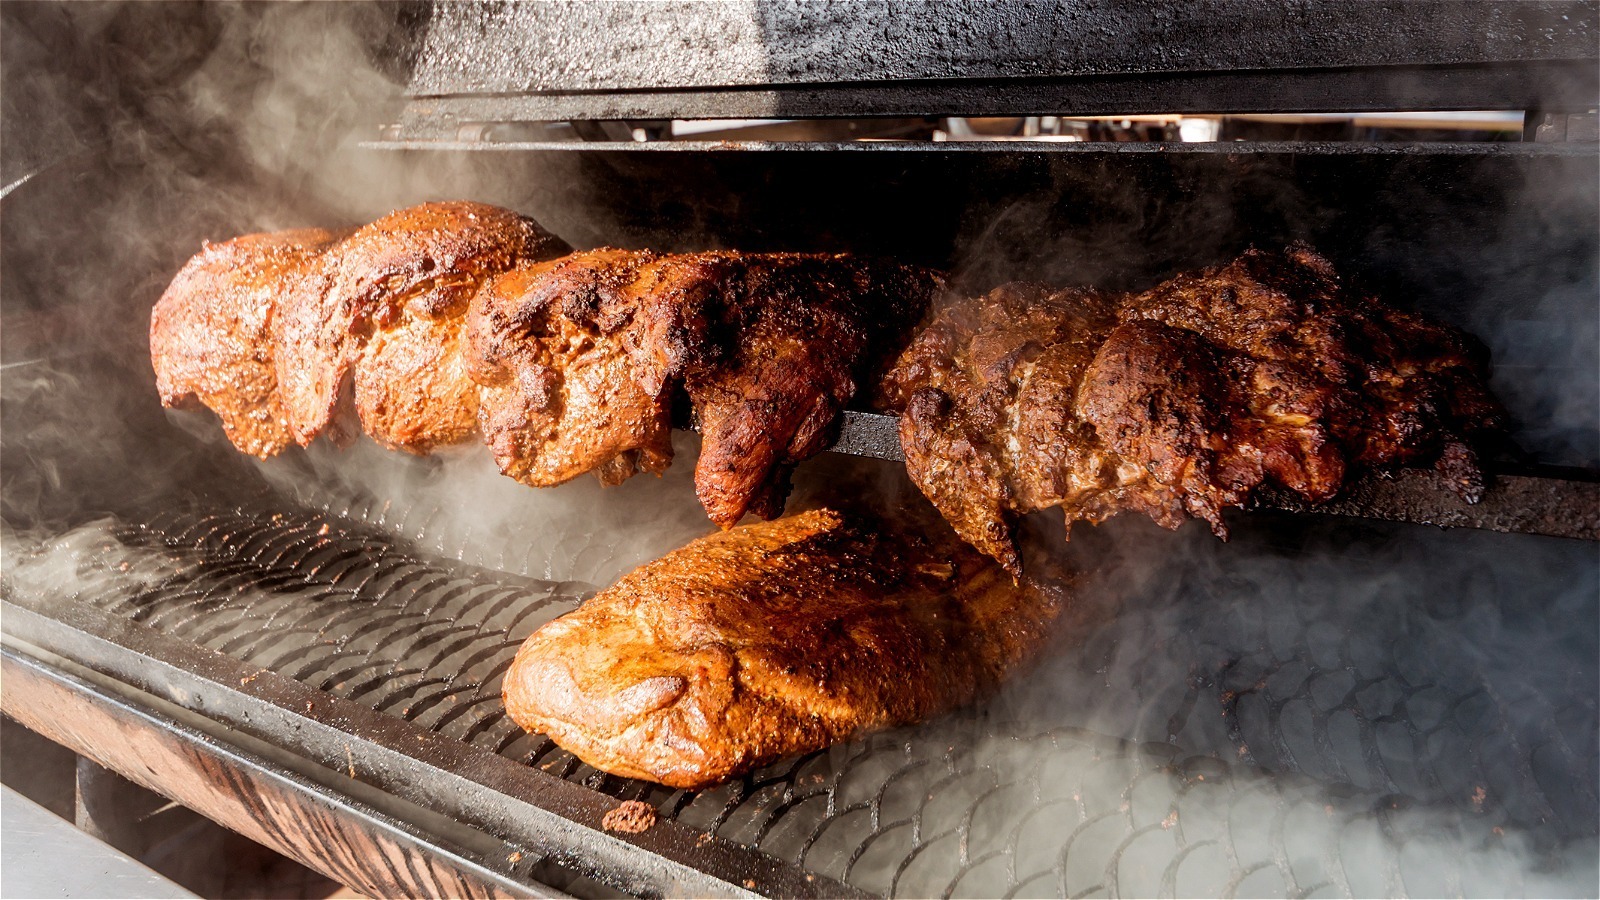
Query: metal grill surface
x=1282 y=754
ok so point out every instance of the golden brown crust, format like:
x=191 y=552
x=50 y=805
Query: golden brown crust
x=768 y=348
x=558 y=392
x=1180 y=401
x=385 y=312
x=211 y=332
x=311 y=343
x=771 y=640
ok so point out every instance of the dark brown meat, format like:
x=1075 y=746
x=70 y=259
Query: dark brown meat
x=578 y=363
x=558 y=393
x=385 y=312
x=986 y=393
x=1179 y=401
x=772 y=640
x=211 y=332
x=769 y=348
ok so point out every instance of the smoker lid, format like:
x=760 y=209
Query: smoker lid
x=574 y=46
x=700 y=60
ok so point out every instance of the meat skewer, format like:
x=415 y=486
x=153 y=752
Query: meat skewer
x=1180 y=401
x=449 y=319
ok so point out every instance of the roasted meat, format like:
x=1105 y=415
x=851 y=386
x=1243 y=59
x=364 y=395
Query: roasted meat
x=986 y=395
x=211 y=332
x=558 y=393
x=577 y=364
x=771 y=640
x=768 y=347
x=1179 y=401
x=385 y=311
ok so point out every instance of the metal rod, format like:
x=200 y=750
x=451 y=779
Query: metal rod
x=1516 y=503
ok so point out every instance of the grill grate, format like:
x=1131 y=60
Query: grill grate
x=1278 y=751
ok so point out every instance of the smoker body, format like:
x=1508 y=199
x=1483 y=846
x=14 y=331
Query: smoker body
x=310 y=654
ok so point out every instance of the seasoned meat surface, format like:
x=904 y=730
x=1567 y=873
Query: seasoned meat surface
x=769 y=347
x=986 y=394
x=211 y=332
x=1180 y=401
x=577 y=364
x=559 y=395
x=771 y=640
x=386 y=313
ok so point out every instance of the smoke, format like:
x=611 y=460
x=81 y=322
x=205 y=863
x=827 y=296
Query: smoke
x=79 y=560
x=1500 y=244
x=1315 y=707
x=459 y=506
x=135 y=131
x=1318 y=707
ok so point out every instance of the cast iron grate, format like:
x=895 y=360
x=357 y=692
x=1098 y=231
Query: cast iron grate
x=1438 y=784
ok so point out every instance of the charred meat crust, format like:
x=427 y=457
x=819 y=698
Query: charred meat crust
x=767 y=348
x=1179 y=401
x=448 y=319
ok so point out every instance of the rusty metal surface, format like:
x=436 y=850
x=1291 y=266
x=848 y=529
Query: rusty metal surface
x=575 y=46
x=345 y=840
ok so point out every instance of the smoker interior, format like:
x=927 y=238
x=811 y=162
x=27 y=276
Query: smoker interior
x=1308 y=740
x=1325 y=706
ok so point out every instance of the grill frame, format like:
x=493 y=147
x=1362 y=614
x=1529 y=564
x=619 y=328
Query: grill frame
x=133 y=675
x=355 y=771
x=483 y=63
x=517 y=806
